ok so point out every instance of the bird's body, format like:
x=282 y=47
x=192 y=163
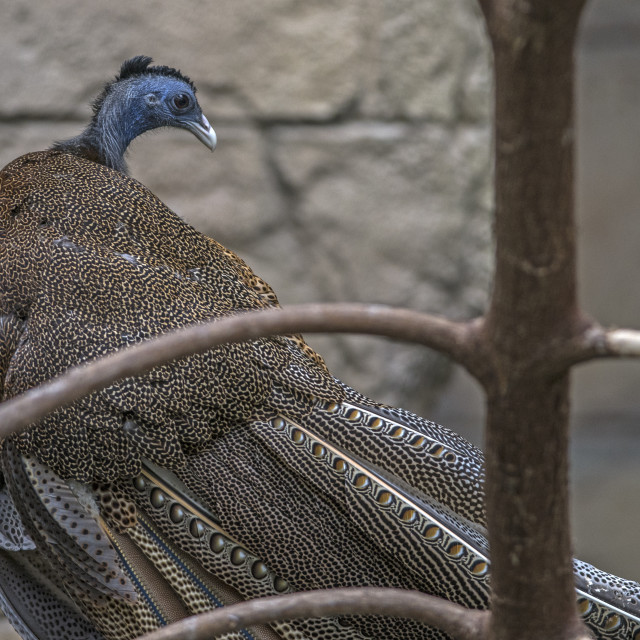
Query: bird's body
x=212 y=416
x=245 y=471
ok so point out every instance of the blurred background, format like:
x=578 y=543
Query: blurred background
x=354 y=163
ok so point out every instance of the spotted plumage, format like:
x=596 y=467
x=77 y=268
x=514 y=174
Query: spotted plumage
x=244 y=471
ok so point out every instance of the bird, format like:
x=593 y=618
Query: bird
x=245 y=471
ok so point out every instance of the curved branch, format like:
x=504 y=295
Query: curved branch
x=452 y=338
x=458 y=622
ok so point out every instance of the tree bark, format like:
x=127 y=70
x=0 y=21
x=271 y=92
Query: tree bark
x=533 y=304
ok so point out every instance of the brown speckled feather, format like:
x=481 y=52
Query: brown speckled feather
x=110 y=265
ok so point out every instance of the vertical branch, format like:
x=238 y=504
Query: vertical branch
x=533 y=305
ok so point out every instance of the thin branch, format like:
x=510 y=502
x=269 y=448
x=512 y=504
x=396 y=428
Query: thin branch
x=593 y=342
x=624 y=343
x=458 y=622
x=452 y=338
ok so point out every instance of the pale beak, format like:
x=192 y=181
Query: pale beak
x=204 y=132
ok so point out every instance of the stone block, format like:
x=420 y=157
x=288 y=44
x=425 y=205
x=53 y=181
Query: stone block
x=18 y=138
x=428 y=60
x=273 y=59
x=388 y=213
x=230 y=195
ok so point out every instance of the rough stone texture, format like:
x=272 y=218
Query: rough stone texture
x=413 y=53
x=411 y=182
x=354 y=164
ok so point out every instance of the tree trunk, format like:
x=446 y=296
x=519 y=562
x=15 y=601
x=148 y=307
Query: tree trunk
x=533 y=305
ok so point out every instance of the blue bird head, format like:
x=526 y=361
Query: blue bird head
x=140 y=98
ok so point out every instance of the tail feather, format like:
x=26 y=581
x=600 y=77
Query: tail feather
x=216 y=564
x=444 y=554
x=326 y=494
x=340 y=454
x=36 y=609
x=425 y=455
x=63 y=529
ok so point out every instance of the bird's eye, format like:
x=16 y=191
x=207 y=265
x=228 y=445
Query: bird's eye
x=181 y=101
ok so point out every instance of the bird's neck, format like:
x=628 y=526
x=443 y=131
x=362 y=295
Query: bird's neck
x=108 y=135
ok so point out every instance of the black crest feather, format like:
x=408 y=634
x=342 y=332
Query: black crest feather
x=139 y=66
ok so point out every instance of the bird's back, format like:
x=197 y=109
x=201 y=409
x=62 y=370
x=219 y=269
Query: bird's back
x=94 y=262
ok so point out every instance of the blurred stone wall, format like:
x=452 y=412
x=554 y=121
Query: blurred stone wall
x=354 y=149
